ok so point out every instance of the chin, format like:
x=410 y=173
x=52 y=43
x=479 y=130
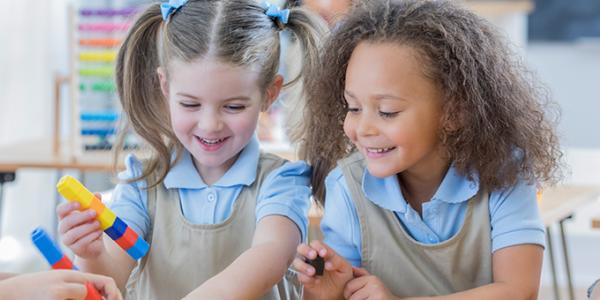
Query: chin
x=380 y=172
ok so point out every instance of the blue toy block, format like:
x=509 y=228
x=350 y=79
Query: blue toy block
x=139 y=249
x=47 y=247
x=117 y=229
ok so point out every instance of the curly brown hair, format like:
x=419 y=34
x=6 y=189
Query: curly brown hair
x=498 y=123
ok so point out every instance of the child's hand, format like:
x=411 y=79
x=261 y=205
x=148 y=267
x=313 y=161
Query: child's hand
x=79 y=230
x=337 y=272
x=58 y=284
x=366 y=286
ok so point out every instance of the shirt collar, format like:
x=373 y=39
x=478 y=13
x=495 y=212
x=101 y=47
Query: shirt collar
x=386 y=192
x=183 y=174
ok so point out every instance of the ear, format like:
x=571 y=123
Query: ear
x=164 y=83
x=273 y=91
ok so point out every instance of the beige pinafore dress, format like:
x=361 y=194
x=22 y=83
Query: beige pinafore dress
x=410 y=268
x=184 y=255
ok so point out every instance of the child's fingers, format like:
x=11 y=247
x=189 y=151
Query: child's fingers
x=332 y=260
x=362 y=294
x=359 y=272
x=323 y=250
x=82 y=246
x=76 y=218
x=306 y=280
x=98 y=195
x=353 y=286
x=306 y=251
x=70 y=291
x=105 y=285
x=302 y=267
x=77 y=233
x=63 y=209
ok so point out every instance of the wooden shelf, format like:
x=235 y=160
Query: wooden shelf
x=40 y=154
x=499 y=7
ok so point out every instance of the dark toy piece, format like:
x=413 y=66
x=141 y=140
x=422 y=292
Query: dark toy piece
x=318 y=263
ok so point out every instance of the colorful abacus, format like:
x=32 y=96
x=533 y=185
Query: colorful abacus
x=57 y=259
x=122 y=234
x=98 y=28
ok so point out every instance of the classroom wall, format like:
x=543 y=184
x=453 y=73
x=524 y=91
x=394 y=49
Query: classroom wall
x=572 y=71
x=32 y=48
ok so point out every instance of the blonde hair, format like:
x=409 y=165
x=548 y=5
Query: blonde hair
x=496 y=122
x=237 y=32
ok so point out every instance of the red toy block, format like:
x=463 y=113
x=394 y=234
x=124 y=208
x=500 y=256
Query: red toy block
x=92 y=292
x=128 y=239
x=64 y=263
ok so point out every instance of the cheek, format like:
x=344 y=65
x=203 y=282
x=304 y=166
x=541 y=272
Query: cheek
x=245 y=124
x=350 y=128
x=398 y=133
x=181 y=122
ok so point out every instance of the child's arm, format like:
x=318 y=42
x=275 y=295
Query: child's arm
x=337 y=273
x=259 y=268
x=516 y=273
x=58 y=284
x=6 y=275
x=112 y=262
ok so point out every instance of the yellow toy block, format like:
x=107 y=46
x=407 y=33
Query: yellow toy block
x=74 y=191
x=107 y=218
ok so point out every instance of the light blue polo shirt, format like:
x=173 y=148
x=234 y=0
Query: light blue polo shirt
x=514 y=215
x=285 y=191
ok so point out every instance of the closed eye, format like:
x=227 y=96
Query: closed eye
x=388 y=114
x=189 y=105
x=235 y=108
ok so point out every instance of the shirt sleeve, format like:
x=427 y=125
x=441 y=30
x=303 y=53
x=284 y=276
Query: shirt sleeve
x=286 y=192
x=515 y=217
x=340 y=224
x=129 y=200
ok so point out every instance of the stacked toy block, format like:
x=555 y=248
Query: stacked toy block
x=121 y=233
x=57 y=259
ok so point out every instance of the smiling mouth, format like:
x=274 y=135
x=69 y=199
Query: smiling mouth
x=379 y=150
x=211 y=141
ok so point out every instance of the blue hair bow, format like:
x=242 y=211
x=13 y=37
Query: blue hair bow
x=167 y=9
x=276 y=13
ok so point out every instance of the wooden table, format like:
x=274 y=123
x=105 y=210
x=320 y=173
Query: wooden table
x=40 y=154
x=558 y=204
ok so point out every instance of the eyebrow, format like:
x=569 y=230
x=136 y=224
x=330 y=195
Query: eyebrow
x=389 y=96
x=378 y=96
x=243 y=98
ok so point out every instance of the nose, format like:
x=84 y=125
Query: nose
x=365 y=126
x=210 y=122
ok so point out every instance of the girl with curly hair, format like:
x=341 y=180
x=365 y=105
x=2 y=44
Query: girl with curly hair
x=428 y=141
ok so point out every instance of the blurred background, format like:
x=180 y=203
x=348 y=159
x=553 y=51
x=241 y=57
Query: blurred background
x=58 y=114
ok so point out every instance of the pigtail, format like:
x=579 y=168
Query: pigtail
x=308 y=30
x=139 y=91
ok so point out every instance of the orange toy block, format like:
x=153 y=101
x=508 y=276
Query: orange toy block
x=97 y=205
